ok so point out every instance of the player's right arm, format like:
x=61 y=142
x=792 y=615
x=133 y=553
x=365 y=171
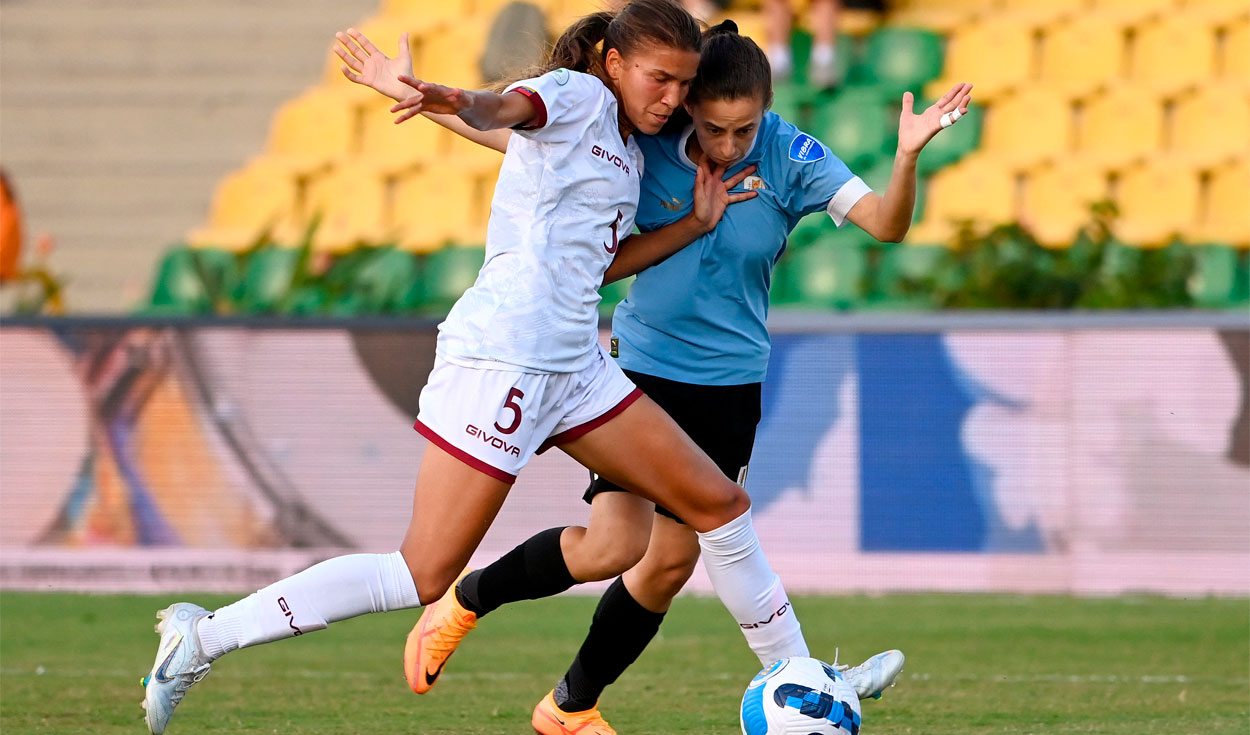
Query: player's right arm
x=480 y=109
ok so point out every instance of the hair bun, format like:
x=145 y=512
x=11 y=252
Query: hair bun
x=725 y=26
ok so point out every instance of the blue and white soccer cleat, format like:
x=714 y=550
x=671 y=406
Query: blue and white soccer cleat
x=875 y=675
x=180 y=662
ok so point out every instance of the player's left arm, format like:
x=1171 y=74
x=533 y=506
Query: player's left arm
x=711 y=196
x=887 y=217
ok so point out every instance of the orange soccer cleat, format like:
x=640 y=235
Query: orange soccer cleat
x=549 y=719
x=434 y=638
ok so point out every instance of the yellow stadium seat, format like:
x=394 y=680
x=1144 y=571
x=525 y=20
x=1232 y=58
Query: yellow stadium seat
x=441 y=204
x=1135 y=10
x=1029 y=127
x=978 y=188
x=1056 y=200
x=451 y=54
x=1121 y=125
x=471 y=157
x=1216 y=11
x=995 y=54
x=1158 y=201
x=351 y=201
x=1225 y=209
x=1083 y=55
x=314 y=129
x=1212 y=125
x=384 y=31
x=436 y=12
x=943 y=17
x=1045 y=12
x=1234 y=61
x=1173 y=53
x=258 y=198
x=392 y=147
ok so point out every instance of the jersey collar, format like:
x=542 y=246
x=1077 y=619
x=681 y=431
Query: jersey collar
x=684 y=139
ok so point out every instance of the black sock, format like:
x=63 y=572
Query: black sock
x=532 y=570
x=621 y=629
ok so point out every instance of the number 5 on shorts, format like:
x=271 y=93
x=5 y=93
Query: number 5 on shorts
x=511 y=404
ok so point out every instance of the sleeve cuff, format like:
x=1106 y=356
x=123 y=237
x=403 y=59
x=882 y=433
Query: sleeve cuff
x=539 y=120
x=850 y=194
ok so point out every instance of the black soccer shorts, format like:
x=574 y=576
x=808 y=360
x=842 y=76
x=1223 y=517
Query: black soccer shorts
x=721 y=419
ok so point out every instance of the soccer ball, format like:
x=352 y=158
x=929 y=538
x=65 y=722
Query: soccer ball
x=800 y=696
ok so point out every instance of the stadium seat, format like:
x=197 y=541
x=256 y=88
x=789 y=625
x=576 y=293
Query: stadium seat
x=1234 y=61
x=441 y=204
x=827 y=274
x=1120 y=126
x=1080 y=56
x=1132 y=11
x=450 y=54
x=267 y=278
x=1212 y=125
x=177 y=287
x=1157 y=202
x=857 y=127
x=434 y=12
x=390 y=147
x=314 y=129
x=447 y=273
x=1214 y=279
x=257 y=199
x=979 y=188
x=1056 y=200
x=387 y=281
x=955 y=142
x=1173 y=53
x=1045 y=12
x=942 y=17
x=351 y=205
x=995 y=54
x=1029 y=127
x=902 y=59
x=1225 y=206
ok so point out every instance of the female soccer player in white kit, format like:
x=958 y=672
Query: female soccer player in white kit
x=692 y=336
x=519 y=366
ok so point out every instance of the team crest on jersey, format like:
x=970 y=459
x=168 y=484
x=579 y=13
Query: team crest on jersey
x=806 y=149
x=753 y=183
x=561 y=76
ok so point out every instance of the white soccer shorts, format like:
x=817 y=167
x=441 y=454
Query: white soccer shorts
x=495 y=420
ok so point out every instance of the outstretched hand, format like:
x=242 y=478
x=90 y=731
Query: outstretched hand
x=711 y=193
x=915 y=131
x=364 y=64
x=430 y=97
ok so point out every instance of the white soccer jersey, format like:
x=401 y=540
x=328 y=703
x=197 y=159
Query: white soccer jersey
x=567 y=194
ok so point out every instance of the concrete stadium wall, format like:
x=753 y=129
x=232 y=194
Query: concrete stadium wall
x=1004 y=453
x=118 y=117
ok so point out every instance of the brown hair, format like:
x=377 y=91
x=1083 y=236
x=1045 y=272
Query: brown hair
x=584 y=45
x=731 y=67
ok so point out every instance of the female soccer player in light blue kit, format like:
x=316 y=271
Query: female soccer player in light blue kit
x=692 y=335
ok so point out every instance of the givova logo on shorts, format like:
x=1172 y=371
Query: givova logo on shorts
x=493 y=441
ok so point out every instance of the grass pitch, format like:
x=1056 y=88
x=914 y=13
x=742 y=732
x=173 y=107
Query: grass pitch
x=976 y=664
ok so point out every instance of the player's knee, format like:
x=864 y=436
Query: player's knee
x=607 y=558
x=728 y=502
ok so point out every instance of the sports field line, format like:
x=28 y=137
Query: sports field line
x=1080 y=679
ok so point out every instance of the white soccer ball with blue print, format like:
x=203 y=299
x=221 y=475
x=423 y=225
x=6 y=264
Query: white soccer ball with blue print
x=800 y=696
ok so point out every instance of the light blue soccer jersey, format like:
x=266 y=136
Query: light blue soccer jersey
x=699 y=316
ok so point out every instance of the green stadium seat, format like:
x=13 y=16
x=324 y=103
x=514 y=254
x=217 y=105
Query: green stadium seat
x=1214 y=279
x=178 y=288
x=901 y=59
x=447 y=274
x=902 y=273
x=857 y=127
x=388 y=281
x=268 y=273
x=953 y=143
x=828 y=274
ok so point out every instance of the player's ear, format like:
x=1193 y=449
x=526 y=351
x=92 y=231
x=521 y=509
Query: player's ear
x=614 y=64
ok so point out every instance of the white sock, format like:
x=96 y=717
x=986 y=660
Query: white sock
x=823 y=54
x=752 y=592
x=336 y=589
x=779 y=59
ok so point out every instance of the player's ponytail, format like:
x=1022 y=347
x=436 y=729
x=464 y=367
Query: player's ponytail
x=731 y=67
x=658 y=23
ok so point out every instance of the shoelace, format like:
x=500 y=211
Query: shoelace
x=185 y=680
x=447 y=636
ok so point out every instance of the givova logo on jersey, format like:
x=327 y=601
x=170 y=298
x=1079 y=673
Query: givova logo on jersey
x=599 y=151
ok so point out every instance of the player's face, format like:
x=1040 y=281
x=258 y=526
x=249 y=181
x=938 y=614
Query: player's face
x=726 y=129
x=652 y=83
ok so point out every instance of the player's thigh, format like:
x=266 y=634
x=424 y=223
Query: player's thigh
x=643 y=450
x=614 y=540
x=453 y=506
x=667 y=565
